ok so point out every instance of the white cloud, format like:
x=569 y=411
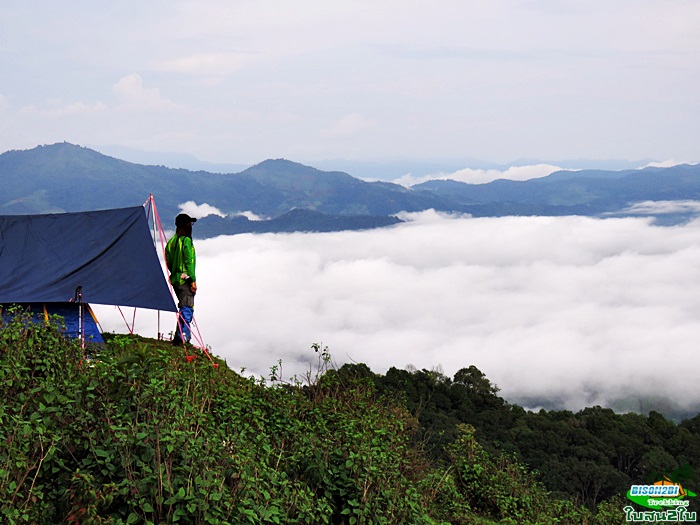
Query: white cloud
x=134 y=96
x=408 y=78
x=481 y=176
x=72 y=109
x=349 y=125
x=663 y=207
x=581 y=310
x=206 y=64
x=199 y=211
x=430 y=216
x=251 y=216
x=665 y=164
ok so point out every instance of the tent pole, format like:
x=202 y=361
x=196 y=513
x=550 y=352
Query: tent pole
x=81 y=321
x=152 y=207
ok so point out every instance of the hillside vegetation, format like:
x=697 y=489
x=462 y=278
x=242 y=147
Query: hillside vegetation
x=589 y=456
x=136 y=432
x=66 y=177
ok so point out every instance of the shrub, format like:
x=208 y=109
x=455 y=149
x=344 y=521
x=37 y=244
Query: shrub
x=138 y=434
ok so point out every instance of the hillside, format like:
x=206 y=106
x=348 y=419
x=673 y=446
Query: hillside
x=139 y=432
x=65 y=177
x=298 y=219
x=592 y=455
x=587 y=192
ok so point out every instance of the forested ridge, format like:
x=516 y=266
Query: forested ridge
x=136 y=431
x=41 y=180
x=591 y=455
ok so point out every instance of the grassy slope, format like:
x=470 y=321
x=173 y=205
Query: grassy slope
x=140 y=434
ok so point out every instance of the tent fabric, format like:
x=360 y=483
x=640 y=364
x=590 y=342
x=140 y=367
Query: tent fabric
x=70 y=318
x=108 y=253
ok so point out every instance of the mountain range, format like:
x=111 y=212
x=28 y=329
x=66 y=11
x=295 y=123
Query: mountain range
x=295 y=197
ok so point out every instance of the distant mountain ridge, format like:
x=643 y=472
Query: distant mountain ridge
x=66 y=177
x=586 y=192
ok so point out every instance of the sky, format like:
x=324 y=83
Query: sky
x=564 y=311
x=240 y=81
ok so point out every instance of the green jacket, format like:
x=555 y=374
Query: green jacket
x=181 y=259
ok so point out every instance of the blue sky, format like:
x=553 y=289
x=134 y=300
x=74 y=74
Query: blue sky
x=242 y=81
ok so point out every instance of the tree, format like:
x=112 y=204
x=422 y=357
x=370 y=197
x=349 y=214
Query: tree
x=475 y=380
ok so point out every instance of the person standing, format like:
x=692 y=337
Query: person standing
x=181 y=261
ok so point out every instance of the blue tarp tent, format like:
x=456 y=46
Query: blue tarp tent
x=70 y=313
x=108 y=255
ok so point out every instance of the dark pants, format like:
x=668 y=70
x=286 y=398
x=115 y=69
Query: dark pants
x=185 y=303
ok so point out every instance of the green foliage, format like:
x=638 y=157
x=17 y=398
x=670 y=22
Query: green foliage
x=137 y=434
x=591 y=457
x=502 y=488
x=498 y=487
x=35 y=396
x=132 y=432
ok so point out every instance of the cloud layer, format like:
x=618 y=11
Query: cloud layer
x=481 y=176
x=244 y=81
x=200 y=211
x=571 y=310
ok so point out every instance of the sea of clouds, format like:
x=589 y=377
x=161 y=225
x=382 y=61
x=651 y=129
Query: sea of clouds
x=517 y=173
x=562 y=312
x=482 y=176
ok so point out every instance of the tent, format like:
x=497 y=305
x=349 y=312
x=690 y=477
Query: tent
x=62 y=262
x=79 y=321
